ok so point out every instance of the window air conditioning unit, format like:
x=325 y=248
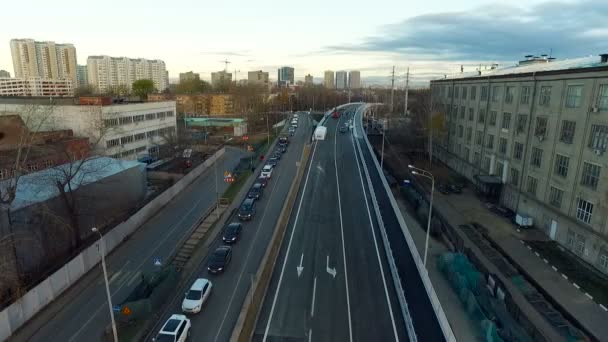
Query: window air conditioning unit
x=595 y=109
x=598 y=152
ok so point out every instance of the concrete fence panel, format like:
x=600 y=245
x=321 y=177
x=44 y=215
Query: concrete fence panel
x=5 y=325
x=45 y=293
x=75 y=269
x=59 y=280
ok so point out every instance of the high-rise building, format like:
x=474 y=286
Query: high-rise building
x=536 y=136
x=258 y=77
x=308 y=79
x=341 y=80
x=354 y=79
x=189 y=76
x=43 y=59
x=106 y=72
x=285 y=76
x=5 y=74
x=82 y=75
x=221 y=78
x=328 y=80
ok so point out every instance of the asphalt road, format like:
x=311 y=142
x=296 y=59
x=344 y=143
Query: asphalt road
x=218 y=316
x=81 y=314
x=332 y=282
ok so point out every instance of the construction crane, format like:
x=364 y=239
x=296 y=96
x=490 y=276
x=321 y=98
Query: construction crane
x=226 y=62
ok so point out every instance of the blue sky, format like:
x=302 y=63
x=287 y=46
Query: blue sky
x=433 y=37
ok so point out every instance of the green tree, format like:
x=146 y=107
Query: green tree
x=142 y=88
x=193 y=87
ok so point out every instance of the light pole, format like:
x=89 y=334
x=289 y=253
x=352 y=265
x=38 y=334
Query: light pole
x=382 y=153
x=102 y=244
x=420 y=172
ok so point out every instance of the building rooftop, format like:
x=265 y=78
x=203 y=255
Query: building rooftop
x=535 y=65
x=215 y=122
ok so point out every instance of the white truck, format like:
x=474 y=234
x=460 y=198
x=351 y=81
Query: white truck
x=320 y=133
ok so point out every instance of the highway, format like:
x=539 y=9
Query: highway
x=219 y=314
x=332 y=281
x=81 y=314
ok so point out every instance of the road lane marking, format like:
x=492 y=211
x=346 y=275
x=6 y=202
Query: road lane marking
x=300 y=268
x=371 y=225
x=309 y=335
x=350 y=326
x=114 y=276
x=295 y=225
x=134 y=278
x=331 y=271
x=314 y=293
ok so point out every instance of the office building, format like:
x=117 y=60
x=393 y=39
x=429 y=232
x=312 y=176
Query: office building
x=536 y=135
x=43 y=59
x=5 y=74
x=341 y=80
x=221 y=78
x=285 y=76
x=308 y=79
x=189 y=76
x=105 y=72
x=36 y=86
x=125 y=130
x=354 y=79
x=258 y=77
x=328 y=80
x=82 y=76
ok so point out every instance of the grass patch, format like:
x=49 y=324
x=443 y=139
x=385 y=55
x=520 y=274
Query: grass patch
x=589 y=280
x=235 y=187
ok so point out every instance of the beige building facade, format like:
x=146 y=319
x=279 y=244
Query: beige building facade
x=105 y=72
x=43 y=59
x=36 y=86
x=258 y=77
x=328 y=80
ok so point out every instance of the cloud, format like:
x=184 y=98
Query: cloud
x=496 y=32
x=235 y=53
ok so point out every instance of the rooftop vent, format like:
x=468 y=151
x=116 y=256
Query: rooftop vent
x=604 y=58
x=531 y=59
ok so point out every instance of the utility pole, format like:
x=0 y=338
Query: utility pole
x=392 y=88
x=407 y=90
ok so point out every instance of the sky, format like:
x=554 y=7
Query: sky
x=431 y=37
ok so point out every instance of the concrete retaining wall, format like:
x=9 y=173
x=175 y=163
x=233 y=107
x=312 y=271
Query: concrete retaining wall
x=18 y=313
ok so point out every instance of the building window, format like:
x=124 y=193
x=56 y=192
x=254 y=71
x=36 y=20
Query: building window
x=567 y=133
x=509 y=94
x=486 y=164
x=591 y=175
x=570 y=236
x=532 y=185
x=110 y=122
x=579 y=247
x=138 y=118
x=150 y=116
x=541 y=127
x=112 y=143
x=514 y=179
x=561 y=165
x=140 y=149
x=598 y=140
x=469 y=134
x=464 y=93
x=602 y=97
x=455 y=112
x=499 y=169
x=456 y=92
x=478 y=138
x=126 y=120
x=524 y=97
x=460 y=131
x=462 y=111
x=484 y=93
x=476 y=159
x=465 y=153
x=473 y=92
x=545 y=96
x=518 y=150
x=482 y=116
x=573 y=96
x=139 y=136
x=490 y=141
x=450 y=92
x=152 y=133
x=127 y=139
x=492 y=120
x=537 y=157
x=603 y=260
x=495 y=93
x=502 y=145
x=555 y=197
x=161 y=115
x=521 y=123
x=170 y=113
x=506 y=120
x=584 y=210
x=471 y=114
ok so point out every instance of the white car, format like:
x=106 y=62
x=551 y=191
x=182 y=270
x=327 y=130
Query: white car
x=295 y=116
x=197 y=296
x=176 y=329
x=266 y=171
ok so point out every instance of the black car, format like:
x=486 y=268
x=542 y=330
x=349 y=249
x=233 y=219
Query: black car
x=272 y=161
x=283 y=140
x=262 y=181
x=219 y=259
x=277 y=154
x=247 y=209
x=455 y=188
x=256 y=191
x=283 y=148
x=444 y=189
x=232 y=232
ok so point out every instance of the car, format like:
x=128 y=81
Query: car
x=283 y=140
x=343 y=129
x=295 y=115
x=282 y=148
x=176 y=329
x=196 y=296
x=272 y=161
x=256 y=191
x=455 y=188
x=267 y=171
x=232 y=232
x=247 y=209
x=219 y=259
x=277 y=154
x=444 y=189
x=263 y=181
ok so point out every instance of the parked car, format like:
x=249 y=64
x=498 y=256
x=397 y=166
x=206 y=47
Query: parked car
x=247 y=209
x=283 y=140
x=262 y=181
x=343 y=129
x=267 y=171
x=272 y=161
x=219 y=259
x=455 y=188
x=282 y=148
x=500 y=210
x=176 y=329
x=256 y=191
x=232 y=233
x=277 y=154
x=196 y=296
x=444 y=189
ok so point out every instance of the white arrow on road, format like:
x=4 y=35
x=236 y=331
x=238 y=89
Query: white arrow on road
x=300 y=268
x=331 y=271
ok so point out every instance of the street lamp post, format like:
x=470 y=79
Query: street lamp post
x=102 y=244
x=420 y=172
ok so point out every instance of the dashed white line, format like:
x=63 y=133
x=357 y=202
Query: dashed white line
x=314 y=292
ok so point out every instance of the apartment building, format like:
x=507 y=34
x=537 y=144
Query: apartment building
x=341 y=80
x=540 y=130
x=43 y=59
x=82 y=76
x=5 y=74
x=354 y=79
x=189 y=76
x=258 y=77
x=308 y=79
x=221 y=78
x=36 y=86
x=119 y=130
x=105 y=72
x=203 y=105
x=328 y=80
x=285 y=76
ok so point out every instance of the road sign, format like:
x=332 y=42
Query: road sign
x=228 y=178
x=245 y=137
x=262 y=157
x=116 y=308
x=126 y=311
x=157 y=262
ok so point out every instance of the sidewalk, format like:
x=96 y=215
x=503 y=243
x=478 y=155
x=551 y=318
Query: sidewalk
x=466 y=208
x=462 y=325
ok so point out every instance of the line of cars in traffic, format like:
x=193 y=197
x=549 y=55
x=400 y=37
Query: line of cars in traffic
x=177 y=327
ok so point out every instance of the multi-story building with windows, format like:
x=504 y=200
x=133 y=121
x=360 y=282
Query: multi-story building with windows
x=221 y=78
x=258 y=77
x=540 y=130
x=285 y=76
x=105 y=72
x=119 y=130
x=328 y=80
x=5 y=74
x=341 y=80
x=189 y=76
x=354 y=79
x=36 y=86
x=82 y=76
x=43 y=59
